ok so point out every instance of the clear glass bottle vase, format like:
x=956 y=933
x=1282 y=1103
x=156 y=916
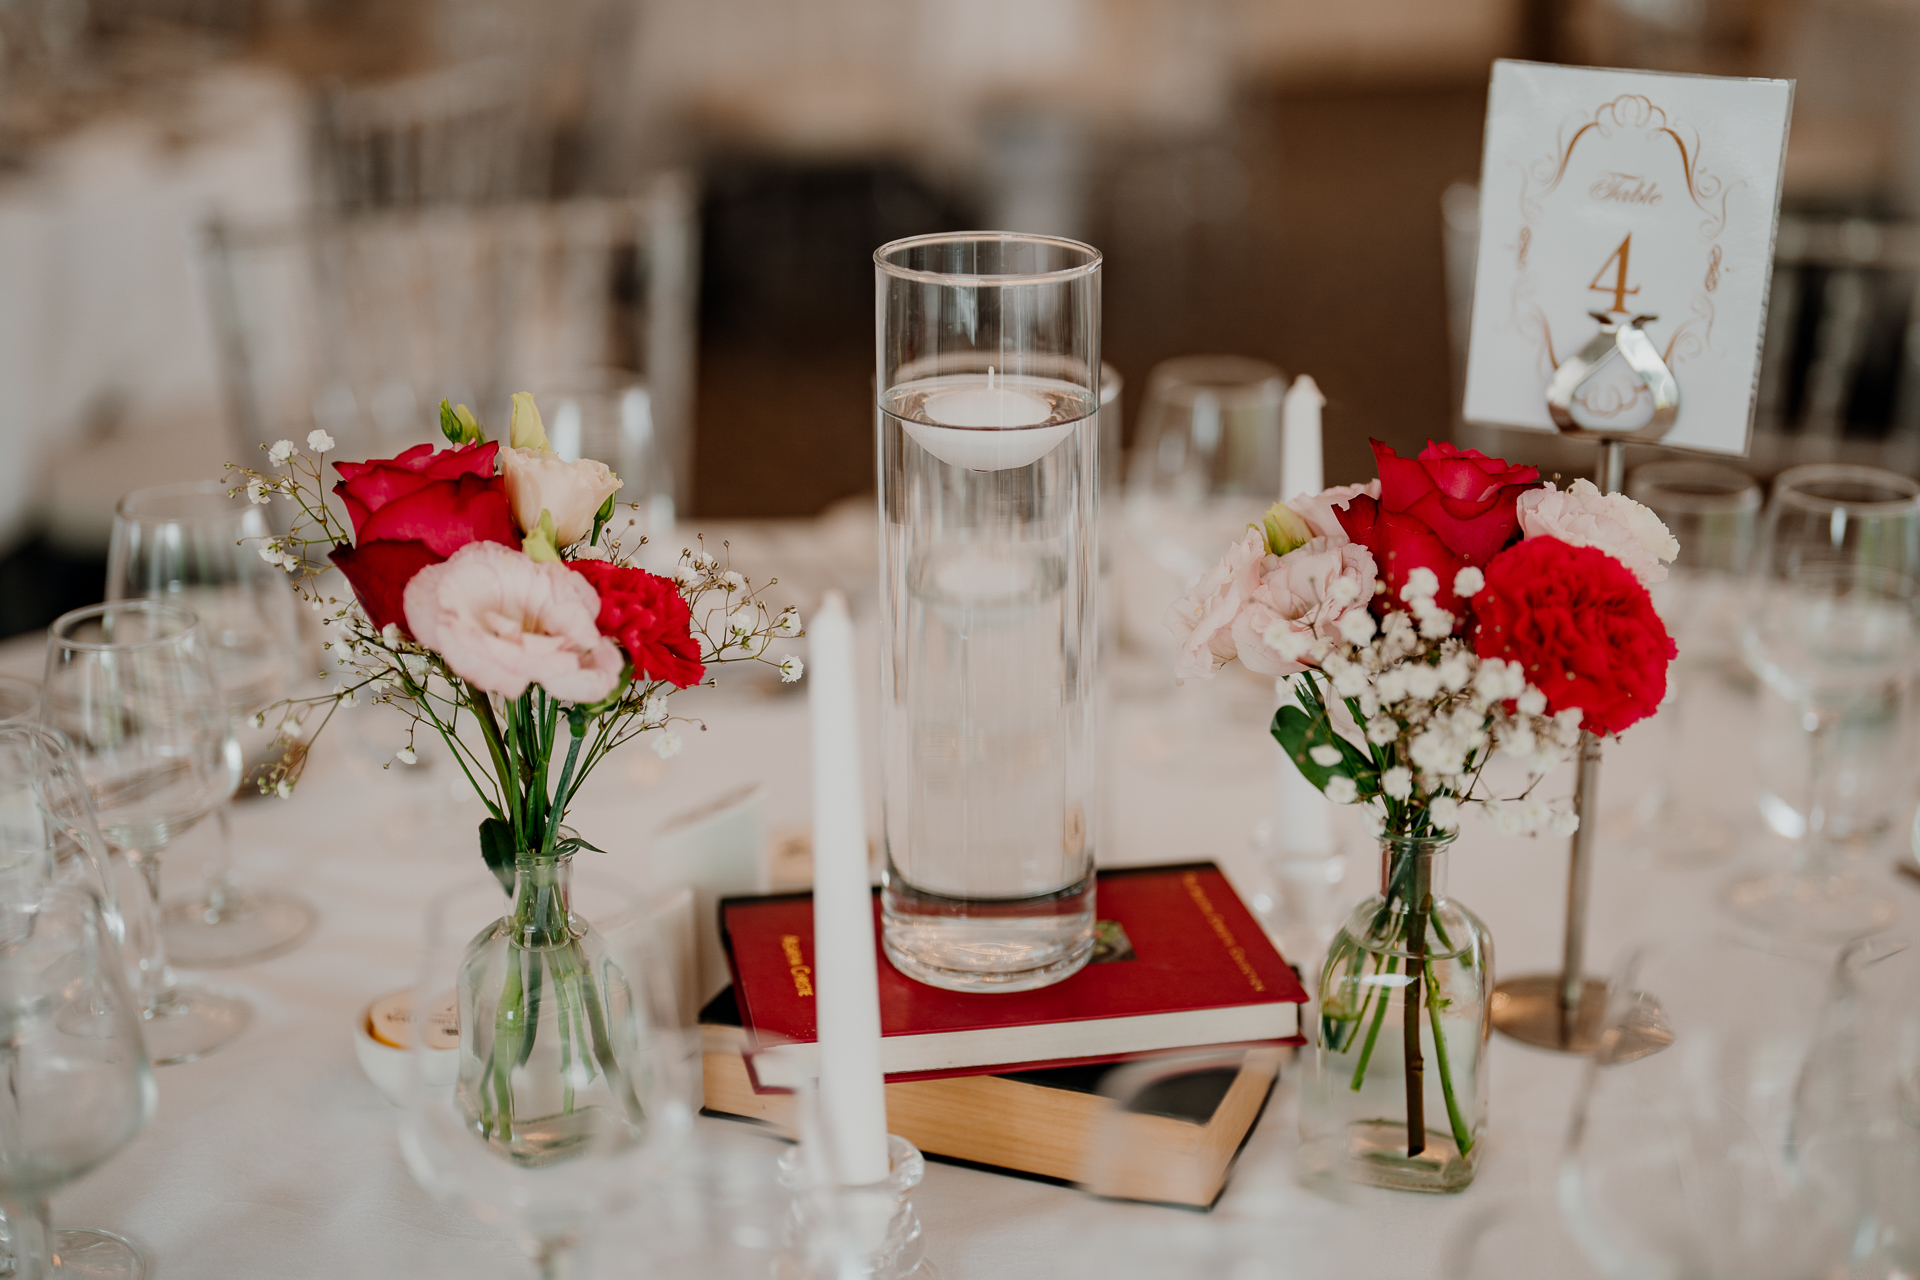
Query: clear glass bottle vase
x=548 y=1025
x=1398 y=1094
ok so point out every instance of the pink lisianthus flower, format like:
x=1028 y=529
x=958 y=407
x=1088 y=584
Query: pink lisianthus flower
x=502 y=621
x=1302 y=599
x=1202 y=619
x=1317 y=509
x=1582 y=516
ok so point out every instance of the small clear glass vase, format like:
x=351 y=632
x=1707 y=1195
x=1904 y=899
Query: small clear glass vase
x=1398 y=1094
x=548 y=1027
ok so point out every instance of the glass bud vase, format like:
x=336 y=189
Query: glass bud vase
x=1398 y=1094
x=548 y=1026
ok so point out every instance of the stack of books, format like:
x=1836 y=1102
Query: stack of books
x=1020 y=1081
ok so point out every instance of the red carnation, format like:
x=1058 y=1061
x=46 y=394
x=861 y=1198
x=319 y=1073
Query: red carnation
x=412 y=511
x=1581 y=626
x=645 y=613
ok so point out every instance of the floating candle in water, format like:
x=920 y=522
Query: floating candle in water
x=987 y=406
x=986 y=425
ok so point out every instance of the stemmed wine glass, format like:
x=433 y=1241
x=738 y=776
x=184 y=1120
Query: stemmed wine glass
x=1831 y=627
x=132 y=686
x=1713 y=511
x=75 y=1086
x=198 y=546
x=622 y=1117
x=1687 y=1160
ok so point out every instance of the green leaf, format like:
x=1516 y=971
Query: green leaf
x=1298 y=731
x=497 y=847
x=600 y=518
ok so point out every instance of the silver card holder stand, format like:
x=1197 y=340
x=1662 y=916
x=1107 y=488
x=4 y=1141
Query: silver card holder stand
x=1566 y=1011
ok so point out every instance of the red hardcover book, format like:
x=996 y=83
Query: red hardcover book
x=1181 y=962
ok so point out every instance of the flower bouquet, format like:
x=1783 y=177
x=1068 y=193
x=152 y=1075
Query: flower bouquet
x=1448 y=631
x=492 y=604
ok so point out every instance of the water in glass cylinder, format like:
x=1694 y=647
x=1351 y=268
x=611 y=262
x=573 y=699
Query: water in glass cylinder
x=989 y=694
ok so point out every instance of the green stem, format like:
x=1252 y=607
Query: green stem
x=1461 y=1138
x=1373 y=1032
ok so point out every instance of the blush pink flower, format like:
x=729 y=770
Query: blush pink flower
x=1302 y=599
x=1317 y=509
x=1203 y=618
x=503 y=621
x=1582 y=516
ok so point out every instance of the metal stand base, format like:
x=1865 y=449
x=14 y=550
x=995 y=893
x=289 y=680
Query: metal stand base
x=1528 y=1009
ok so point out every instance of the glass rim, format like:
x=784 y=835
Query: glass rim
x=1061 y=275
x=123 y=509
x=1742 y=491
x=184 y=622
x=1787 y=491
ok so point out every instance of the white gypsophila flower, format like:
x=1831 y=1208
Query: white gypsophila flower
x=1564 y=822
x=733 y=581
x=1436 y=751
x=1356 y=626
x=1381 y=730
x=319 y=441
x=1468 y=582
x=1341 y=789
x=789 y=623
x=281 y=451
x=1369 y=702
x=686 y=576
x=1455 y=670
x=1422 y=583
x=1518 y=739
x=704 y=562
x=270 y=553
x=284 y=789
x=257 y=493
x=1392 y=684
x=1423 y=681
x=1345 y=590
x=791 y=669
x=740 y=623
x=1288 y=643
x=667 y=745
x=415 y=665
x=1569 y=718
x=1437 y=625
x=405 y=755
x=259 y=720
x=1397 y=782
x=1532 y=701
x=1325 y=755
x=1535 y=814
x=390 y=634
x=1490 y=681
x=1350 y=681
x=1444 y=813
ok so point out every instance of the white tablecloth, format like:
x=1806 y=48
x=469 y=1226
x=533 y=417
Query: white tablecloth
x=276 y=1157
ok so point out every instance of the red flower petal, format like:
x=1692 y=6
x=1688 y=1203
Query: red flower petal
x=446 y=515
x=379 y=573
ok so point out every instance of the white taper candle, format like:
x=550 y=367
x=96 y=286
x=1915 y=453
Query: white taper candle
x=1300 y=466
x=853 y=1100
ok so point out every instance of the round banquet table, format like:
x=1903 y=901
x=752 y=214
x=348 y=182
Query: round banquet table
x=276 y=1157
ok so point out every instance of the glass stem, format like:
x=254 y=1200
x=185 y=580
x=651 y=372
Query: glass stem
x=30 y=1238
x=140 y=909
x=1814 y=858
x=222 y=899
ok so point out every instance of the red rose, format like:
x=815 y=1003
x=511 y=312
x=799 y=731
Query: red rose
x=1400 y=544
x=412 y=511
x=647 y=615
x=1581 y=625
x=1464 y=496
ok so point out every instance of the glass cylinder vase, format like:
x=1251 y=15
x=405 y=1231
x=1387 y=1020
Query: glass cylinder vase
x=1398 y=1094
x=988 y=386
x=548 y=1026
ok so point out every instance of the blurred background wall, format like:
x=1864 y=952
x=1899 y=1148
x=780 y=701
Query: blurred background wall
x=223 y=222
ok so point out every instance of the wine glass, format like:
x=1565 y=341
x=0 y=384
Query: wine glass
x=1713 y=511
x=626 y=1107
x=19 y=700
x=1831 y=628
x=198 y=546
x=1205 y=465
x=1683 y=1160
x=77 y=1086
x=132 y=686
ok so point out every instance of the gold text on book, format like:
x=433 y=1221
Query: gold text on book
x=1221 y=931
x=802 y=974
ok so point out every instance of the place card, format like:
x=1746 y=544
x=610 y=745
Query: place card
x=1627 y=193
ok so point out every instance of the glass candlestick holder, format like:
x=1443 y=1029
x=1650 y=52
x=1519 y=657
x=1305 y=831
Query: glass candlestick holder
x=867 y=1231
x=988 y=392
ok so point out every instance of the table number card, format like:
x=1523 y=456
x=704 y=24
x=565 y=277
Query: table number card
x=1629 y=193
